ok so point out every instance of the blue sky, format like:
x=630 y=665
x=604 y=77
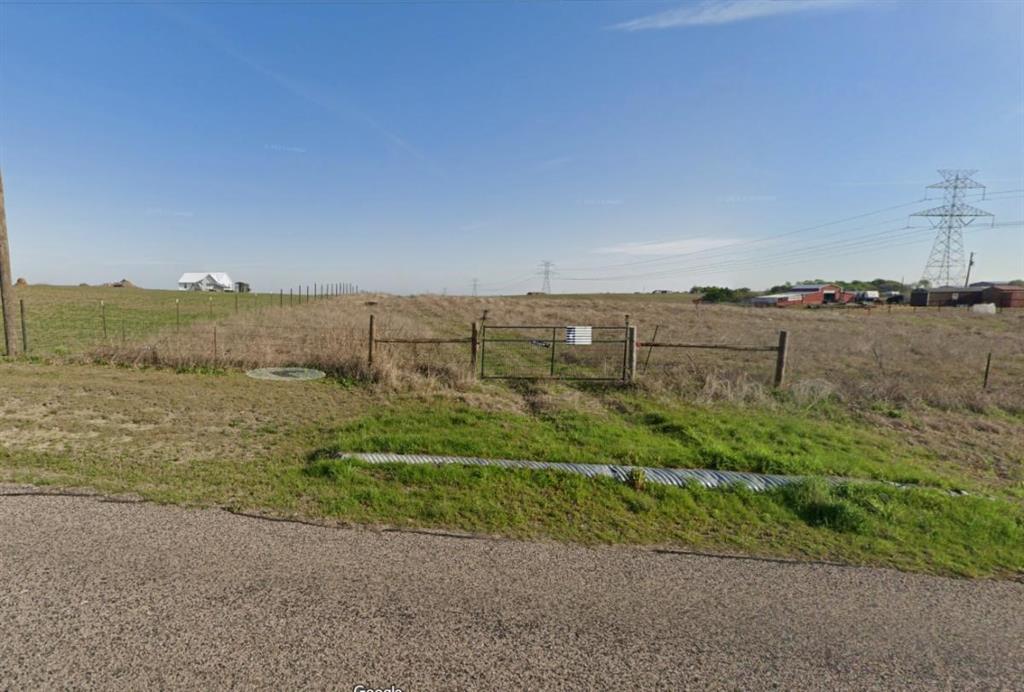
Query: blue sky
x=414 y=146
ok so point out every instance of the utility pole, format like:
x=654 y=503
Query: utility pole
x=945 y=266
x=970 y=265
x=6 y=290
x=546 y=271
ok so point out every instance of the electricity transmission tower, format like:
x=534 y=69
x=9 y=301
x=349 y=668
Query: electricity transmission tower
x=546 y=271
x=476 y=286
x=945 y=265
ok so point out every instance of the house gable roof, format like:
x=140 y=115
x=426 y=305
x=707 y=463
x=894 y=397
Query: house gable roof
x=220 y=278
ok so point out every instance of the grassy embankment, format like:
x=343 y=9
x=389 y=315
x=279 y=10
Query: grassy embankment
x=251 y=446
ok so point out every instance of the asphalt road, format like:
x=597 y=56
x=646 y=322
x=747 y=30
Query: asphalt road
x=114 y=595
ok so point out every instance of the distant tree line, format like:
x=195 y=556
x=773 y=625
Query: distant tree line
x=721 y=294
x=857 y=285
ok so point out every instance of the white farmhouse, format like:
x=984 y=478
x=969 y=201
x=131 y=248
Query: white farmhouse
x=205 y=281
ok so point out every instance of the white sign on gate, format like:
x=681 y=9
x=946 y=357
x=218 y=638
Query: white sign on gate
x=579 y=336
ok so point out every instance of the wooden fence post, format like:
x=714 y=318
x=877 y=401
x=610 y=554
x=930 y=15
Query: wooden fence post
x=215 y=344
x=626 y=353
x=24 y=328
x=236 y=302
x=474 y=346
x=554 y=340
x=780 y=361
x=103 y=318
x=177 y=315
x=370 y=352
x=281 y=303
x=988 y=368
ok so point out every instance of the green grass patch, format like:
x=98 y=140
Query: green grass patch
x=917 y=529
x=914 y=529
x=637 y=432
x=66 y=320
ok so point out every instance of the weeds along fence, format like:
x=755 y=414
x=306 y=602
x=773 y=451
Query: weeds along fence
x=780 y=351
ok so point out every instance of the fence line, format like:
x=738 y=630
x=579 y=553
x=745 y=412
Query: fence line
x=228 y=343
x=780 y=363
x=81 y=335
x=373 y=340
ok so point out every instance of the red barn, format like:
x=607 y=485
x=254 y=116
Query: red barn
x=807 y=294
x=823 y=294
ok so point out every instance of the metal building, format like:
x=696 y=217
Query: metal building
x=1003 y=295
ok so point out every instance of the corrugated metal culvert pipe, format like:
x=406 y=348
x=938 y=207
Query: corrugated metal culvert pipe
x=662 y=476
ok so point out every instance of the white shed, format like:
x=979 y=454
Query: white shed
x=205 y=281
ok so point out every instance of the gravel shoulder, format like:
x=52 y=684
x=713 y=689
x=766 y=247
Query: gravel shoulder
x=103 y=594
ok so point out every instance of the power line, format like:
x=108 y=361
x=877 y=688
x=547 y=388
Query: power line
x=522 y=278
x=723 y=253
x=756 y=241
x=878 y=239
x=785 y=249
x=725 y=256
x=859 y=247
x=874 y=241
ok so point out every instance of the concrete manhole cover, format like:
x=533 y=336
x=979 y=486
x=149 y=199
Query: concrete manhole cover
x=286 y=374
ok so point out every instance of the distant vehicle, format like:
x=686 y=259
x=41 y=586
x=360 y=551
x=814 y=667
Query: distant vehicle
x=867 y=296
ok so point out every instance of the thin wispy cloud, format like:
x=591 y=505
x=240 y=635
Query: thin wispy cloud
x=177 y=213
x=667 y=247
x=740 y=199
x=556 y=162
x=604 y=202
x=716 y=12
x=285 y=148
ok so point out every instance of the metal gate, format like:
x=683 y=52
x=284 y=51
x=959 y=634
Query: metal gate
x=533 y=352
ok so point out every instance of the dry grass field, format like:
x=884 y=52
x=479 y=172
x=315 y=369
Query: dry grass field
x=875 y=356
x=66 y=320
x=876 y=395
